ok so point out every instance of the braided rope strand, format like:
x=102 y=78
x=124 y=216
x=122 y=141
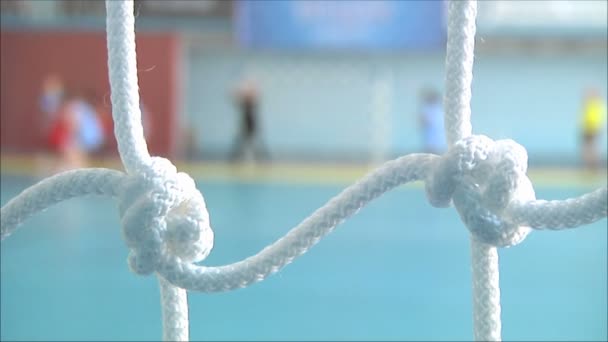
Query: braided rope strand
x=166 y=224
x=486 y=292
x=301 y=238
x=128 y=129
x=174 y=306
x=459 y=69
x=459 y=77
x=562 y=214
x=55 y=189
x=122 y=67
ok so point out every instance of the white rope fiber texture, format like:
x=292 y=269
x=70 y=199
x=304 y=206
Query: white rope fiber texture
x=165 y=222
x=460 y=49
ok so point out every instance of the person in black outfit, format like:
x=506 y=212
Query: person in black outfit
x=247 y=102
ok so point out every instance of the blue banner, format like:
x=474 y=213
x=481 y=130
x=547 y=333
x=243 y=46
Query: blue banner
x=340 y=24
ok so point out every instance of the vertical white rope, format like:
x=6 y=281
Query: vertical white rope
x=486 y=292
x=459 y=77
x=170 y=189
x=174 y=303
x=459 y=69
x=122 y=65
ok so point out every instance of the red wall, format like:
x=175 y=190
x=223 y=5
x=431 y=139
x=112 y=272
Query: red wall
x=80 y=58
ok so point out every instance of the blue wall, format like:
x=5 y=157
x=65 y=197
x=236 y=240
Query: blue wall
x=319 y=105
x=336 y=24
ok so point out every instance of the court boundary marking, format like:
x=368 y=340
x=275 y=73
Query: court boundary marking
x=304 y=173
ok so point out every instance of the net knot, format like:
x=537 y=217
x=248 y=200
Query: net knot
x=482 y=177
x=163 y=215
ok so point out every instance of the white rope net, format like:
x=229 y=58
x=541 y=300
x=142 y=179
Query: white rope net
x=165 y=222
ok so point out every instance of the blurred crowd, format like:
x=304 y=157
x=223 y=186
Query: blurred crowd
x=76 y=123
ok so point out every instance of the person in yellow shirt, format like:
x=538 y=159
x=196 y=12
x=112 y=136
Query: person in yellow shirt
x=592 y=124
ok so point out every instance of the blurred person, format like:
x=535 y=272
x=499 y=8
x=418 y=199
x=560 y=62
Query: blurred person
x=63 y=139
x=248 y=140
x=593 y=116
x=189 y=145
x=90 y=132
x=76 y=132
x=51 y=98
x=104 y=117
x=53 y=129
x=431 y=122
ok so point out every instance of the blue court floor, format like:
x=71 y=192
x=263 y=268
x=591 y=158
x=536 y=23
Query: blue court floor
x=398 y=270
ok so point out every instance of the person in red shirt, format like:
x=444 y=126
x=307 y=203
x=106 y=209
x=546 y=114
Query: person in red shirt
x=63 y=136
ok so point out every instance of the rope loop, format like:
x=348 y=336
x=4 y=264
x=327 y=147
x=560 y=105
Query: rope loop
x=163 y=215
x=482 y=177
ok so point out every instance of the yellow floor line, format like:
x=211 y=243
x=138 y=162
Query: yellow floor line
x=299 y=173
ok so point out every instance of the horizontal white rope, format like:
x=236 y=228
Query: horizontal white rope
x=222 y=278
x=166 y=224
x=301 y=238
x=560 y=214
x=55 y=189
